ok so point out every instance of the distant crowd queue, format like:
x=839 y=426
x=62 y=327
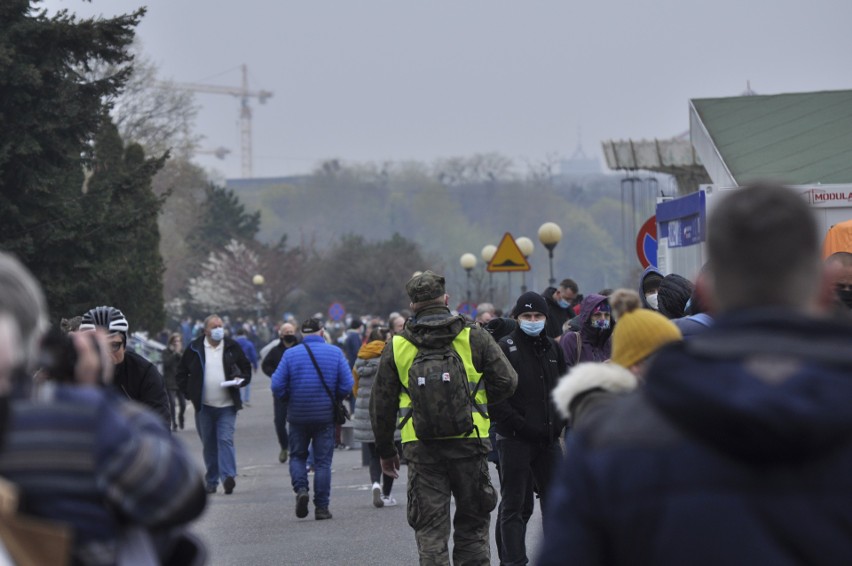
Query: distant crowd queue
x=700 y=419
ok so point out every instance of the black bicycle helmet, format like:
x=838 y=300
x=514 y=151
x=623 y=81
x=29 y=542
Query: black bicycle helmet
x=109 y=318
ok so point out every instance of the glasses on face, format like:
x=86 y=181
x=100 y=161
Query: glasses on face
x=115 y=346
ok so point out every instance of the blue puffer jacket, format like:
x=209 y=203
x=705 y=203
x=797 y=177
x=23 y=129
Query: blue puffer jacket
x=736 y=451
x=296 y=380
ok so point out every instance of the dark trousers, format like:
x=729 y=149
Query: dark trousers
x=279 y=409
x=522 y=465
x=376 y=474
x=177 y=399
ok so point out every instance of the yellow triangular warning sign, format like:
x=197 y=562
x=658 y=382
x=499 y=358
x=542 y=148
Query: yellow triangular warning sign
x=508 y=256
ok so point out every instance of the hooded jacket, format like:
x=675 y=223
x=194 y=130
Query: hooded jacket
x=736 y=450
x=365 y=370
x=435 y=327
x=595 y=344
x=648 y=271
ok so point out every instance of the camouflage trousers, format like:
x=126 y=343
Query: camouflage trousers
x=430 y=487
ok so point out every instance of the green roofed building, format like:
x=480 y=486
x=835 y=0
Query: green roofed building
x=798 y=138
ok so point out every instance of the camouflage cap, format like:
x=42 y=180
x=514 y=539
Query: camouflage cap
x=424 y=287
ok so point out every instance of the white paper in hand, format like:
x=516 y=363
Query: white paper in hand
x=236 y=382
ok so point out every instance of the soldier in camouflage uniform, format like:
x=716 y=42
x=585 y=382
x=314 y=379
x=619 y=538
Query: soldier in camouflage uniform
x=448 y=467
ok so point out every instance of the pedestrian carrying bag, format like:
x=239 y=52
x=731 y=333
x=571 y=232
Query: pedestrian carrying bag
x=341 y=413
x=441 y=398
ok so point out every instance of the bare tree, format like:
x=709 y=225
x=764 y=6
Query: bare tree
x=146 y=112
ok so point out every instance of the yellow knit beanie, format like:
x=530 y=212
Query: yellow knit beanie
x=638 y=332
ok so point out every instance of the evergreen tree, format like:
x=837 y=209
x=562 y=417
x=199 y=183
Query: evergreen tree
x=224 y=218
x=122 y=224
x=49 y=114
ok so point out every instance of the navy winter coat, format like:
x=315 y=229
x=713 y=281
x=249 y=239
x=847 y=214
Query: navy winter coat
x=737 y=450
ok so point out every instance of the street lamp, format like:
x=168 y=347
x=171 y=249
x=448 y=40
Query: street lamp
x=549 y=235
x=468 y=262
x=487 y=254
x=258 y=281
x=526 y=247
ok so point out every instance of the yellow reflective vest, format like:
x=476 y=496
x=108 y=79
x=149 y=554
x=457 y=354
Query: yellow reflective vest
x=404 y=353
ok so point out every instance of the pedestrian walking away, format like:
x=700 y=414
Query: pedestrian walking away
x=312 y=378
x=434 y=383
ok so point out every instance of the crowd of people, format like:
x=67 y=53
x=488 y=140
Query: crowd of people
x=697 y=419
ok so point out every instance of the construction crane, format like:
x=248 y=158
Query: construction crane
x=244 y=94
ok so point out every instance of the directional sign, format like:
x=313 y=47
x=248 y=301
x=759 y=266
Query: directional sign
x=508 y=257
x=336 y=312
x=646 y=243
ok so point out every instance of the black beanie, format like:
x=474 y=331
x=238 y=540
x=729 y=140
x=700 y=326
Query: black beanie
x=673 y=294
x=530 y=302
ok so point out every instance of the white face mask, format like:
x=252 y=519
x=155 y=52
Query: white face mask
x=652 y=300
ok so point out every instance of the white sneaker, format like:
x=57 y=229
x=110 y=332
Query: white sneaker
x=388 y=501
x=378 y=500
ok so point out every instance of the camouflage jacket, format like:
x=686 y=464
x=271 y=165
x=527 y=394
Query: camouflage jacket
x=434 y=327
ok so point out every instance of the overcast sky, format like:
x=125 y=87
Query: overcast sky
x=368 y=80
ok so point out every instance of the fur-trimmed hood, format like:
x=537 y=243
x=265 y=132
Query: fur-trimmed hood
x=588 y=376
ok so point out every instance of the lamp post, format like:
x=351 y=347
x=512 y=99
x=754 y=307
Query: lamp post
x=549 y=235
x=487 y=254
x=526 y=247
x=468 y=262
x=258 y=281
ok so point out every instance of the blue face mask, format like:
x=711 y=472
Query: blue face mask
x=563 y=303
x=531 y=328
x=603 y=324
x=217 y=334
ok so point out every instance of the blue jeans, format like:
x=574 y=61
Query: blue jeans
x=279 y=408
x=322 y=436
x=216 y=428
x=245 y=393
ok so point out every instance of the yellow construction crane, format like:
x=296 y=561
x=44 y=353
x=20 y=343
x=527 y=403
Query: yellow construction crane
x=244 y=94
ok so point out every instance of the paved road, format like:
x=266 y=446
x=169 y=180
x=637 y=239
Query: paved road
x=256 y=525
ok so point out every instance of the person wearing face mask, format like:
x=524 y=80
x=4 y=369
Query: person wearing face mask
x=560 y=302
x=649 y=286
x=287 y=339
x=527 y=424
x=209 y=375
x=592 y=342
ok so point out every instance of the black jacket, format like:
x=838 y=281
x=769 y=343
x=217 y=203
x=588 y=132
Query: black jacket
x=556 y=315
x=140 y=380
x=530 y=413
x=190 y=373
x=273 y=357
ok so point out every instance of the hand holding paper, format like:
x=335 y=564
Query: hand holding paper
x=236 y=382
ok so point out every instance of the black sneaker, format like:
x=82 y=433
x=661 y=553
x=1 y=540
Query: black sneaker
x=302 y=499
x=229 y=485
x=210 y=489
x=322 y=514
